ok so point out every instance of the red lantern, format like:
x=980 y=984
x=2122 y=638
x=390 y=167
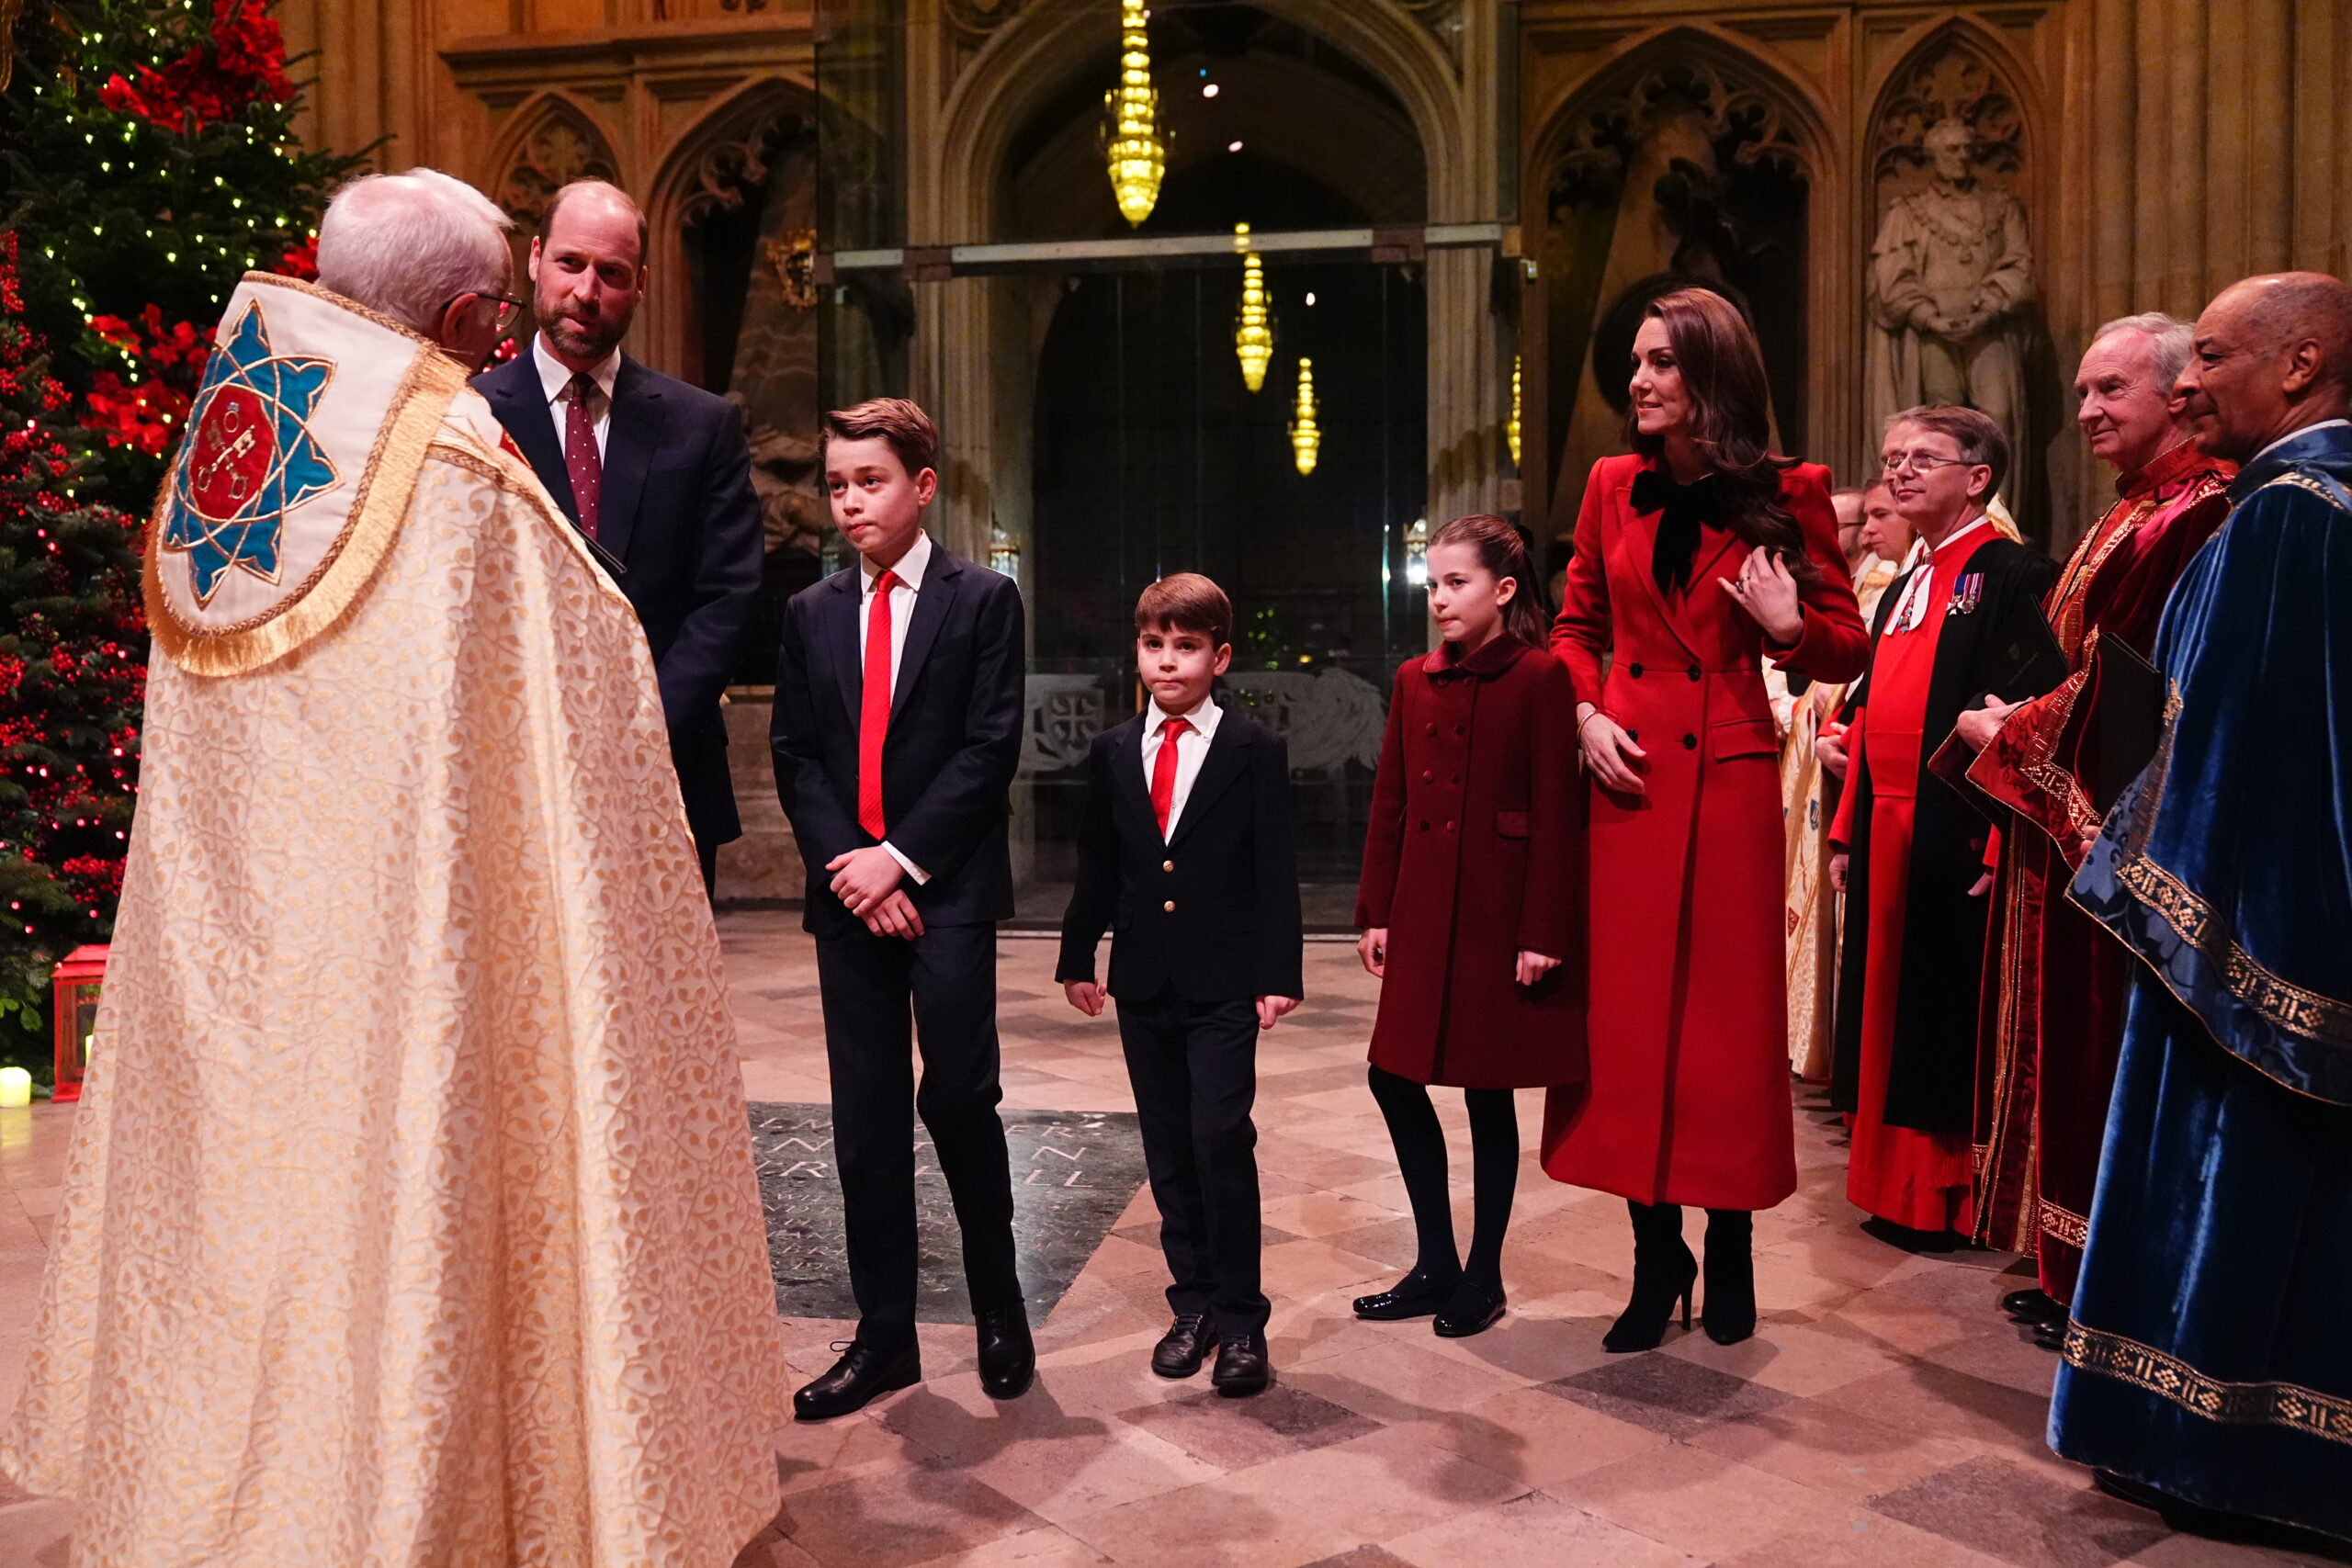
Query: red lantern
x=75 y=1015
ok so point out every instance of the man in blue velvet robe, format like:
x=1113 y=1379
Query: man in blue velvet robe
x=2208 y=1366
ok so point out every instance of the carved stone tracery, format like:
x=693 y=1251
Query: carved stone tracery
x=1600 y=146
x=565 y=146
x=1955 y=82
x=730 y=172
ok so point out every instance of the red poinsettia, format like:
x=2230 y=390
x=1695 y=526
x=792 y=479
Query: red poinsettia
x=216 y=80
x=301 y=262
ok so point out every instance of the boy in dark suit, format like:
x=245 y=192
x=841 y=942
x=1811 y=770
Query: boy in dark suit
x=897 y=733
x=1186 y=848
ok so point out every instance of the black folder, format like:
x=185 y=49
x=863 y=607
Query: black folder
x=2128 y=722
x=2026 y=661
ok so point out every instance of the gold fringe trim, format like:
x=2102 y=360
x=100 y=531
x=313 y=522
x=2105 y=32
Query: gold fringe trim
x=2288 y=1404
x=328 y=594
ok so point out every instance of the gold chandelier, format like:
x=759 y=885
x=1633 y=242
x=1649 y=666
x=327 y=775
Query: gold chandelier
x=1305 y=435
x=1511 y=429
x=1131 y=138
x=1253 y=333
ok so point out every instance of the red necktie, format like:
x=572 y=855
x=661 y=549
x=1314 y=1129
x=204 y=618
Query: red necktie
x=1163 y=772
x=874 y=706
x=581 y=457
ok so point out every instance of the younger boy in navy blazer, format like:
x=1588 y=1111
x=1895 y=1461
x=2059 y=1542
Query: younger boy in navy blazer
x=1186 y=851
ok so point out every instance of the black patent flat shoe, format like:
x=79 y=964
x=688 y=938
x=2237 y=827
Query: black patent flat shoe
x=1185 y=1346
x=1472 y=1308
x=863 y=1375
x=1414 y=1295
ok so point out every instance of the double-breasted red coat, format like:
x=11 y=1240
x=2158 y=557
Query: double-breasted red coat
x=1687 y=1097
x=1471 y=857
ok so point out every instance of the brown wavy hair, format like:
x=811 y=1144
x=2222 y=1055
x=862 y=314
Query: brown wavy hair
x=1502 y=550
x=1723 y=376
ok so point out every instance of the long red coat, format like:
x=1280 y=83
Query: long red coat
x=1472 y=856
x=1688 y=1097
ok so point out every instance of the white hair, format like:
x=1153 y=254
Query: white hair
x=408 y=244
x=2170 y=341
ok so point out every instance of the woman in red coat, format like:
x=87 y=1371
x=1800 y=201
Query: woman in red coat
x=1697 y=556
x=1468 y=907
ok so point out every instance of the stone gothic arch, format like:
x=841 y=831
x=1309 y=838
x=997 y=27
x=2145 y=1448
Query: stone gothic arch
x=711 y=167
x=550 y=142
x=1959 y=70
x=1742 y=113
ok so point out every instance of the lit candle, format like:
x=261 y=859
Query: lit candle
x=15 y=1087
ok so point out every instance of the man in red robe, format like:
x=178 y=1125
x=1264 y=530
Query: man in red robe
x=1907 y=848
x=2055 y=982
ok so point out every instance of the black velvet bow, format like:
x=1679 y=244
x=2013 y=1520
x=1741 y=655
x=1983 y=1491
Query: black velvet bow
x=1685 y=508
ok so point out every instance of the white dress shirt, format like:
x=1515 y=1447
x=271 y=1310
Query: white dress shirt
x=1191 y=750
x=1912 y=608
x=909 y=570
x=555 y=379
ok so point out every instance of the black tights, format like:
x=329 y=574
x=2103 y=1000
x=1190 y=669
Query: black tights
x=1420 y=1157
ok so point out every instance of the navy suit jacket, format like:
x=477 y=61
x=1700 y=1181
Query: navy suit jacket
x=678 y=528
x=1211 y=912
x=953 y=747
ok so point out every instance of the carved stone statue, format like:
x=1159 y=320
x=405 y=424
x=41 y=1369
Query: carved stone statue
x=1951 y=276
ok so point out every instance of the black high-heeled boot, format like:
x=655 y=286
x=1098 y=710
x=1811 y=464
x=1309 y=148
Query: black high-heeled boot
x=1731 y=1275
x=1664 y=1271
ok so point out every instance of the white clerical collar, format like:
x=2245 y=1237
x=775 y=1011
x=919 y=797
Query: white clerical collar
x=909 y=567
x=2297 y=435
x=1202 y=719
x=555 y=376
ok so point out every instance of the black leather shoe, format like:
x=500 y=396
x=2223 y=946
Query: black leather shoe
x=1008 y=1359
x=2033 y=1306
x=1414 y=1295
x=1242 y=1368
x=1186 y=1343
x=863 y=1375
x=1472 y=1308
x=2051 y=1334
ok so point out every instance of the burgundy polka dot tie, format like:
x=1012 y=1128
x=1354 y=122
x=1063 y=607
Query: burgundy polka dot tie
x=580 y=455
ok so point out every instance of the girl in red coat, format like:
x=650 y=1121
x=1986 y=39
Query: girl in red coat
x=1697 y=556
x=1468 y=907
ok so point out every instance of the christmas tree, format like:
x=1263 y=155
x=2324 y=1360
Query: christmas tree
x=151 y=160
x=147 y=160
x=73 y=669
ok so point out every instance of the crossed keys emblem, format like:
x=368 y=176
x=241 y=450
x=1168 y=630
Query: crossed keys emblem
x=249 y=459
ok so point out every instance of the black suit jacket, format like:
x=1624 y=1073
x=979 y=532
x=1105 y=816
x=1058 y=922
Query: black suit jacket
x=1932 y=1083
x=953 y=747
x=678 y=528
x=1212 y=911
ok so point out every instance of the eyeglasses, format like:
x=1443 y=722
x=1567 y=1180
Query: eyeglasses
x=510 y=309
x=1920 y=463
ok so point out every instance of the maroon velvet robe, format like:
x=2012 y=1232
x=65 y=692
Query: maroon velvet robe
x=2055 y=982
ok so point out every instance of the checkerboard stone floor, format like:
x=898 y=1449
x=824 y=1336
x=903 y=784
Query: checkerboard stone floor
x=1884 y=1413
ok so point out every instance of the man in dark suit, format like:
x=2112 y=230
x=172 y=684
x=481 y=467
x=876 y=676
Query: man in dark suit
x=1186 y=851
x=657 y=474
x=897 y=735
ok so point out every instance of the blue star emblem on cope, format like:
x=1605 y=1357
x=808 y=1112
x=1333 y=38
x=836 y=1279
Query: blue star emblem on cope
x=249 y=458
